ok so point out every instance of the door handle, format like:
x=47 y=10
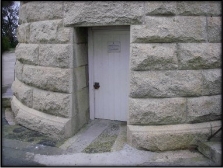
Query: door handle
x=96 y=85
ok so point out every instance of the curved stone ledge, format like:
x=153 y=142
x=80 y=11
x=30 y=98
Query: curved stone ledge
x=56 y=127
x=169 y=137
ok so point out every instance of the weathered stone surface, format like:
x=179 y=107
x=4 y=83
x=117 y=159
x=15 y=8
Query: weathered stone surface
x=160 y=8
x=22 y=13
x=81 y=54
x=157 y=111
x=38 y=11
x=170 y=29
x=214 y=29
x=18 y=70
x=55 y=55
x=57 y=104
x=184 y=8
x=56 y=127
x=165 y=83
x=49 y=32
x=212 y=82
x=169 y=137
x=205 y=108
x=14 y=107
x=23 y=93
x=27 y=53
x=103 y=13
x=153 y=56
x=214 y=8
x=23 y=33
x=81 y=77
x=199 y=56
x=47 y=78
x=65 y=35
x=198 y=8
x=83 y=106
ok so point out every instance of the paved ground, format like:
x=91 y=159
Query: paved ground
x=8 y=64
x=99 y=143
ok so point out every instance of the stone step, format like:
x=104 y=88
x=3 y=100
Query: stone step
x=211 y=149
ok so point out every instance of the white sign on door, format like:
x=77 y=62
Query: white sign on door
x=114 y=47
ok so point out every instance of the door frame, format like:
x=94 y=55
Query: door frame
x=91 y=61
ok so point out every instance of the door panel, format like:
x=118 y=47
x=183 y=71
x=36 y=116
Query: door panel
x=111 y=69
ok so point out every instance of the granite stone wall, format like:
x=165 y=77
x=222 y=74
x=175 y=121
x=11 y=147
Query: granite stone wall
x=175 y=68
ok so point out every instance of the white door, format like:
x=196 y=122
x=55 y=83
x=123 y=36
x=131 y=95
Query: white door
x=111 y=51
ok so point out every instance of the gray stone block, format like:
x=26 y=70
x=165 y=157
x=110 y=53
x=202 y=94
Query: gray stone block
x=198 y=8
x=47 y=78
x=160 y=8
x=55 y=55
x=38 y=11
x=214 y=29
x=22 y=13
x=103 y=13
x=23 y=33
x=205 y=108
x=170 y=29
x=199 y=56
x=23 y=93
x=57 y=104
x=169 y=83
x=212 y=82
x=18 y=70
x=49 y=32
x=157 y=111
x=27 y=53
x=153 y=57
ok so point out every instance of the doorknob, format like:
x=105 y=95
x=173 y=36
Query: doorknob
x=96 y=85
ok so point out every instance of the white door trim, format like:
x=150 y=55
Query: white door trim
x=91 y=62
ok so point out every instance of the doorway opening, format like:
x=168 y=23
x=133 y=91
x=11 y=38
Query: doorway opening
x=108 y=63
